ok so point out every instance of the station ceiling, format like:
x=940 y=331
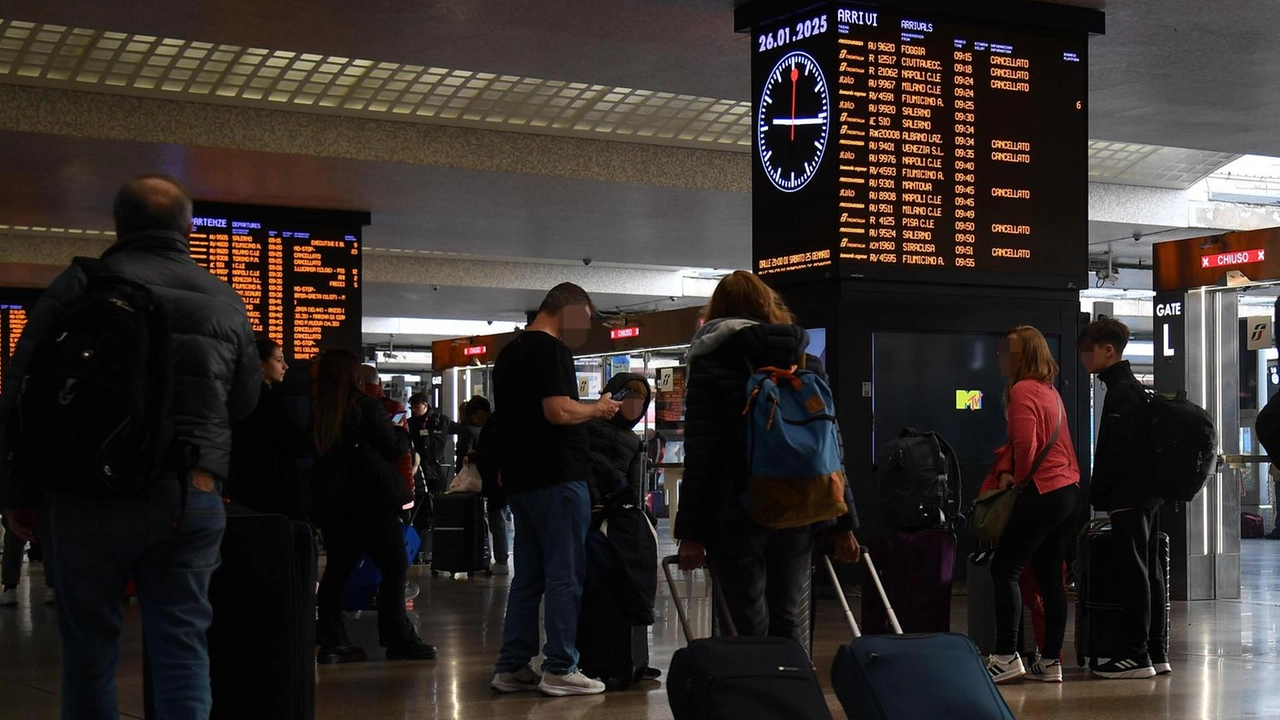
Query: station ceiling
x=1172 y=74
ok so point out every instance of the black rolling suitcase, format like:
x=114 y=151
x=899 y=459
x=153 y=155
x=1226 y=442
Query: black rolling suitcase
x=457 y=534
x=730 y=678
x=605 y=637
x=1098 y=617
x=910 y=677
x=262 y=641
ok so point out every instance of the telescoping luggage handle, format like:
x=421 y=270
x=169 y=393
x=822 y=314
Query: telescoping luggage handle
x=844 y=603
x=721 y=604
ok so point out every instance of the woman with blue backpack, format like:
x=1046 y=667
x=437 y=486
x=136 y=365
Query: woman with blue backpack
x=764 y=474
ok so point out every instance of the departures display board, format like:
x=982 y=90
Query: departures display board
x=13 y=320
x=297 y=271
x=904 y=147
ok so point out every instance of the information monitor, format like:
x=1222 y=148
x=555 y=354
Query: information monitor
x=298 y=271
x=898 y=146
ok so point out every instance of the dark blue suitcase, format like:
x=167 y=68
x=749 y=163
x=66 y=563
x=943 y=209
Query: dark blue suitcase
x=880 y=677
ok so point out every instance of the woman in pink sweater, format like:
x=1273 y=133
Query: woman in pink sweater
x=1043 y=525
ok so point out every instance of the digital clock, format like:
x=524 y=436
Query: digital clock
x=794 y=121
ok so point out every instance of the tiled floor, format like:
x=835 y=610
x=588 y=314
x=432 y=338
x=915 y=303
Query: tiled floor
x=1227 y=664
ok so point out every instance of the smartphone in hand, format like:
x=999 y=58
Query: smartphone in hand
x=398 y=418
x=621 y=395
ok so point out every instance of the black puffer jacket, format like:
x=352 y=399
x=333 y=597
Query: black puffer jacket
x=1122 y=474
x=715 y=445
x=216 y=372
x=617 y=453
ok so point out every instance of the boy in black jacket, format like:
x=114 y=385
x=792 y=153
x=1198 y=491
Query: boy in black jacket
x=1124 y=488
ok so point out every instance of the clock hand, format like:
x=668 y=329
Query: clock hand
x=799 y=121
x=795 y=75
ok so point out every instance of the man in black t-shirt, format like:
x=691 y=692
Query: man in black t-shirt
x=543 y=468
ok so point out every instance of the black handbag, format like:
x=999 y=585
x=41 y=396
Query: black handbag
x=380 y=478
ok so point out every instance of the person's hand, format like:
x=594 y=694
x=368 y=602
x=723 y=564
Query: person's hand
x=693 y=555
x=22 y=522
x=1006 y=481
x=847 y=549
x=607 y=407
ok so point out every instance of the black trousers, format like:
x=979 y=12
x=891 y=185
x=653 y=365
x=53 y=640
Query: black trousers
x=761 y=574
x=1138 y=576
x=345 y=541
x=1041 y=532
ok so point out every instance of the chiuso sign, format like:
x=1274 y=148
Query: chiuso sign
x=1233 y=259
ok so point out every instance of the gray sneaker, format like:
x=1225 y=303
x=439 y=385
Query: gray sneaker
x=522 y=680
x=572 y=684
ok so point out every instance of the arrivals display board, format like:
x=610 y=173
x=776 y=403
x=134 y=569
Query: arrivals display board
x=298 y=271
x=903 y=146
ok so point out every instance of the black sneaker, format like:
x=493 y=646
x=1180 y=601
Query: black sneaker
x=1160 y=662
x=1124 y=668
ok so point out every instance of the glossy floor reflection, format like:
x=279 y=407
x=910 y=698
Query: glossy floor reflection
x=1225 y=653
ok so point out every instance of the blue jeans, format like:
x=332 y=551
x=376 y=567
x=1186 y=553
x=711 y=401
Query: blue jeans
x=550 y=560
x=99 y=546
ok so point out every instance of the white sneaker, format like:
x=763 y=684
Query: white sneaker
x=50 y=597
x=9 y=598
x=1049 y=671
x=573 y=684
x=1002 y=672
x=500 y=569
x=522 y=680
x=1163 y=668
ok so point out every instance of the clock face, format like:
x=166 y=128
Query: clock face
x=793 y=121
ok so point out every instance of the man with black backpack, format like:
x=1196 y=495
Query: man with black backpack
x=1124 y=486
x=133 y=369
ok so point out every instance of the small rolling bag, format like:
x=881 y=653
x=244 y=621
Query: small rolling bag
x=909 y=677
x=362 y=588
x=731 y=678
x=457 y=534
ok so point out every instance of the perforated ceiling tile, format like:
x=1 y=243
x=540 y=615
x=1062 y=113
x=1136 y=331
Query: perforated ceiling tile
x=81 y=58
x=54 y=55
x=1152 y=165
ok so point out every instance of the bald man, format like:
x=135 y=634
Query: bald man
x=371 y=384
x=167 y=535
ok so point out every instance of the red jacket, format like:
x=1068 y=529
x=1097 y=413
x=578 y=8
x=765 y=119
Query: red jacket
x=1034 y=410
x=1002 y=465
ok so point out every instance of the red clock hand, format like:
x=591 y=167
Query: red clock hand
x=795 y=75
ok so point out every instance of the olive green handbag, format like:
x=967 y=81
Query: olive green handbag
x=993 y=508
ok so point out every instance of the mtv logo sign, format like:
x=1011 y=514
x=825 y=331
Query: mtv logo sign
x=969 y=400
